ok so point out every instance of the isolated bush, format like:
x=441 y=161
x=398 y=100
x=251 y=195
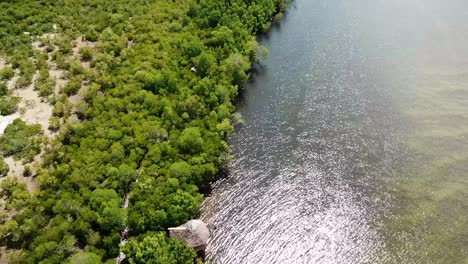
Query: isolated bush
x=54 y=123
x=7 y=73
x=8 y=105
x=86 y=53
x=73 y=85
x=4 y=168
x=27 y=171
x=3 y=88
x=23 y=82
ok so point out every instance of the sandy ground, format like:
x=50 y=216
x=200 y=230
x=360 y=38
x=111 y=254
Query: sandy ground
x=17 y=169
x=33 y=109
x=6 y=120
x=80 y=44
x=57 y=74
x=79 y=96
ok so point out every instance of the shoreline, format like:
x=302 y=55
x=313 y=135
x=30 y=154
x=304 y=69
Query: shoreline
x=177 y=118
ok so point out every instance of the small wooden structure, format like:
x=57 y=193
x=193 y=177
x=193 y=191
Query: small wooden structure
x=195 y=233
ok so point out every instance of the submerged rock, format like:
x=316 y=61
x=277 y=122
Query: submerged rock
x=195 y=233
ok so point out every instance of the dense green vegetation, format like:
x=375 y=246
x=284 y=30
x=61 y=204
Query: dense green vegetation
x=4 y=168
x=8 y=104
x=20 y=140
x=157 y=248
x=150 y=124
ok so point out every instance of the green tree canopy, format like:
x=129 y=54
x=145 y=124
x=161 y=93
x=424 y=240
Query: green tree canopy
x=4 y=168
x=156 y=248
x=85 y=258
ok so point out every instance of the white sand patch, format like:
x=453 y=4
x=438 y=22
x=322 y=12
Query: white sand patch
x=3 y=255
x=79 y=43
x=6 y=120
x=74 y=99
x=36 y=111
x=16 y=167
x=57 y=74
x=39 y=44
x=17 y=170
x=54 y=72
x=79 y=96
x=11 y=83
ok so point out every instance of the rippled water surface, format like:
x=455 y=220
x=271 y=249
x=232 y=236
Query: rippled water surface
x=355 y=142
